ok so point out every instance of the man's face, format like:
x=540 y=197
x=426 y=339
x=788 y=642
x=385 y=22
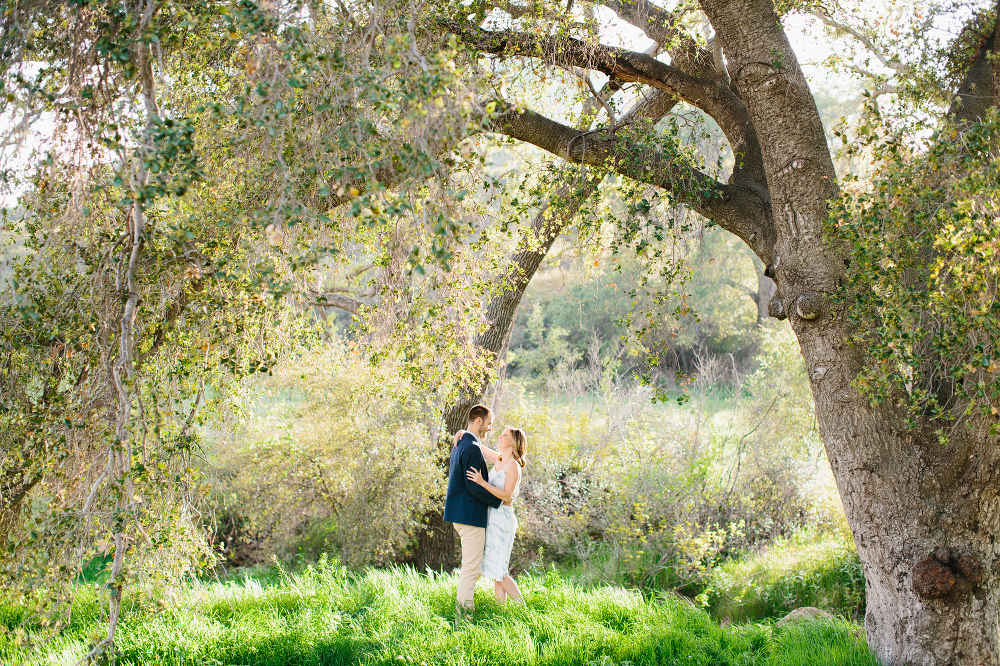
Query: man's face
x=483 y=425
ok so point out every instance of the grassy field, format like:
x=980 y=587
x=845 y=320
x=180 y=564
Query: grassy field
x=325 y=615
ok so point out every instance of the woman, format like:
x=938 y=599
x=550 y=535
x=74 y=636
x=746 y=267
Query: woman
x=504 y=482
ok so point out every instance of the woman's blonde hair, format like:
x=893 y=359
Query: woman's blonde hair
x=519 y=444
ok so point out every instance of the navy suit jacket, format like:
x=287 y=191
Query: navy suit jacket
x=467 y=502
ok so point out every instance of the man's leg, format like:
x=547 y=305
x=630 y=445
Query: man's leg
x=473 y=544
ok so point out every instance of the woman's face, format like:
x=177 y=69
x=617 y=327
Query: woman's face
x=505 y=438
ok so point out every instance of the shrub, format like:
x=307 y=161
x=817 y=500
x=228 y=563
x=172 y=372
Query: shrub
x=620 y=489
x=340 y=457
x=657 y=496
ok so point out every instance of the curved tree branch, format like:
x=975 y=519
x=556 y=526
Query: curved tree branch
x=328 y=300
x=604 y=148
x=617 y=63
x=735 y=208
x=714 y=97
x=653 y=104
x=661 y=26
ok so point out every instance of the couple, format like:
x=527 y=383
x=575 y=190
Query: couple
x=480 y=509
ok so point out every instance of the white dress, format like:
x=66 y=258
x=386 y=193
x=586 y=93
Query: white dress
x=501 y=525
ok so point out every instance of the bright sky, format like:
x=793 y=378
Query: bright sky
x=800 y=29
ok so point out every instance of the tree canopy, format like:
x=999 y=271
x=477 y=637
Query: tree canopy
x=195 y=178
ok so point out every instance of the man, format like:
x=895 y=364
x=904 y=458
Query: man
x=466 y=504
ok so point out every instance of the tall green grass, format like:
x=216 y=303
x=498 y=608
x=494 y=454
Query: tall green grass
x=327 y=616
x=803 y=571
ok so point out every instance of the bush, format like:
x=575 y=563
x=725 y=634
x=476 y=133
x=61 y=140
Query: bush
x=339 y=458
x=617 y=488
x=626 y=492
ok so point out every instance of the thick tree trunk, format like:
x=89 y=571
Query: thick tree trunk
x=436 y=544
x=980 y=90
x=925 y=516
x=928 y=549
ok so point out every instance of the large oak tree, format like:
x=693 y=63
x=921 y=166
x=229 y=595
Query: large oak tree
x=890 y=288
x=915 y=469
x=922 y=504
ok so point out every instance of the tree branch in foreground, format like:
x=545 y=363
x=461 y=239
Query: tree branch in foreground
x=713 y=96
x=735 y=208
x=603 y=147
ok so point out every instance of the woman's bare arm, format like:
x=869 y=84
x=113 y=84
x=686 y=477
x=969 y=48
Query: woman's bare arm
x=489 y=454
x=505 y=493
x=511 y=481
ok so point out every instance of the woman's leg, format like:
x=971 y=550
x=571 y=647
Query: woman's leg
x=511 y=589
x=499 y=590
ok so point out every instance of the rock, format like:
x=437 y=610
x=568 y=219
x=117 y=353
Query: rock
x=805 y=614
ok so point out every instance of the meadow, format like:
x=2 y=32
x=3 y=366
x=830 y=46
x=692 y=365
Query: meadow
x=325 y=614
x=669 y=532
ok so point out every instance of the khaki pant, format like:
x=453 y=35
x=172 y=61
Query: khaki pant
x=473 y=545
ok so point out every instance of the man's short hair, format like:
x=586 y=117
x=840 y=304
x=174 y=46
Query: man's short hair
x=479 y=412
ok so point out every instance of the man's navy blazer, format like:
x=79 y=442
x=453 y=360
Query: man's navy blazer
x=466 y=502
